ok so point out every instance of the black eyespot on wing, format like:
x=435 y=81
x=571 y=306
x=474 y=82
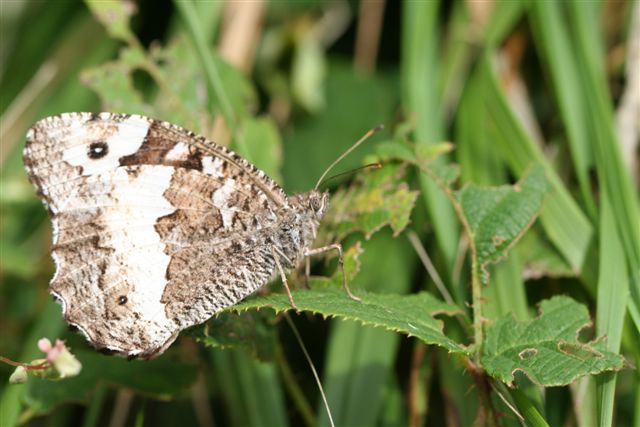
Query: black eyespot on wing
x=122 y=300
x=98 y=150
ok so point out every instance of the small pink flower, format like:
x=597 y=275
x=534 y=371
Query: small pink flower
x=44 y=345
x=54 y=353
x=60 y=357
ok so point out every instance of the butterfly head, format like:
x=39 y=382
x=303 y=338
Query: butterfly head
x=314 y=203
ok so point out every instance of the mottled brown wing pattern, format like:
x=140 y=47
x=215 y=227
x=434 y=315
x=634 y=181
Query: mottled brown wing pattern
x=155 y=228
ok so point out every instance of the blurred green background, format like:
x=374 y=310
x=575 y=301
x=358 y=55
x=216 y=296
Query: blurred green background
x=290 y=85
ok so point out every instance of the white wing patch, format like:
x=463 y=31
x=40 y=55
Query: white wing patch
x=212 y=166
x=140 y=252
x=126 y=140
x=220 y=199
x=179 y=152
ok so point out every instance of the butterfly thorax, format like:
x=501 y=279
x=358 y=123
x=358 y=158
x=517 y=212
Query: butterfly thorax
x=299 y=229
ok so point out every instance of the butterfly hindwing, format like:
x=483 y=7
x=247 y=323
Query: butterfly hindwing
x=155 y=228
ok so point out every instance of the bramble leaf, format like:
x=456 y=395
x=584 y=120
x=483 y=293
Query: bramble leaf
x=540 y=258
x=376 y=199
x=249 y=330
x=165 y=82
x=497 y=217
x=412 y=315
x=546 y=349
x=115 y=16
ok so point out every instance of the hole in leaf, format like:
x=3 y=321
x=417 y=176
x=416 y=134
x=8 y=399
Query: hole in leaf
x=527 y=353
x=144 y=84
x=497 y=240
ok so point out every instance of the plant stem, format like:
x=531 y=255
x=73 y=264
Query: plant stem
x=45 y=365
x=476 y=294
x=214 y=82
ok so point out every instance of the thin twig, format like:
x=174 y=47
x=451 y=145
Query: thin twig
x=428 y=265
x=121 y=407
x=45 y=365
x=200 y=400
x=368 y=38
x=414 y=376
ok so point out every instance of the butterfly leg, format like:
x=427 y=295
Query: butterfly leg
x=307 y=272
x=337 y=247
x=277 y=254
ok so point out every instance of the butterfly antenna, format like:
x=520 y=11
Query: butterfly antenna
x=376 y=165
x=346 y=153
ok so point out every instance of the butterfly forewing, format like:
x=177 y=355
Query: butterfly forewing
x=155 y=228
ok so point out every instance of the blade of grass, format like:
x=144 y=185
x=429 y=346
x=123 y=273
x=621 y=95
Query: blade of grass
x=464 y=36
x=250 y=388
x=557 y=54
x=529 y=412
x=92 y=415
x=217 y=92
x=293 y=389
x=422 y=100
x=29 y=51
x=62 y=66
x=611 y=171
x=613 y=294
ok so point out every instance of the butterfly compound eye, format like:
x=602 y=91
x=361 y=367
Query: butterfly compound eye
x=315 y=204
x=98 y=150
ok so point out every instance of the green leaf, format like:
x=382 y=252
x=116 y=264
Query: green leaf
x=377 y=198
x=546 y=349
x=249 y=330
x=113 y=83
x=174 y=86
x=427 y=153
x=540 y=258
x=308 y=72
x=497 y=217
x=115 y=16
x=395 y=150
x=411 y=315
x=160 y=378
x=263 y=146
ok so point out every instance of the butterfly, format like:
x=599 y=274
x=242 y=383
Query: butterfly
x=156 y=229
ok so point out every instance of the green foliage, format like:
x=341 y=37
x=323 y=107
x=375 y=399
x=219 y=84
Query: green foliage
x=409 y=314
x=458 y=79
x=546 y=349
x=376 y=199
x=251 y=331
x=497 y=217
x=161 y=378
